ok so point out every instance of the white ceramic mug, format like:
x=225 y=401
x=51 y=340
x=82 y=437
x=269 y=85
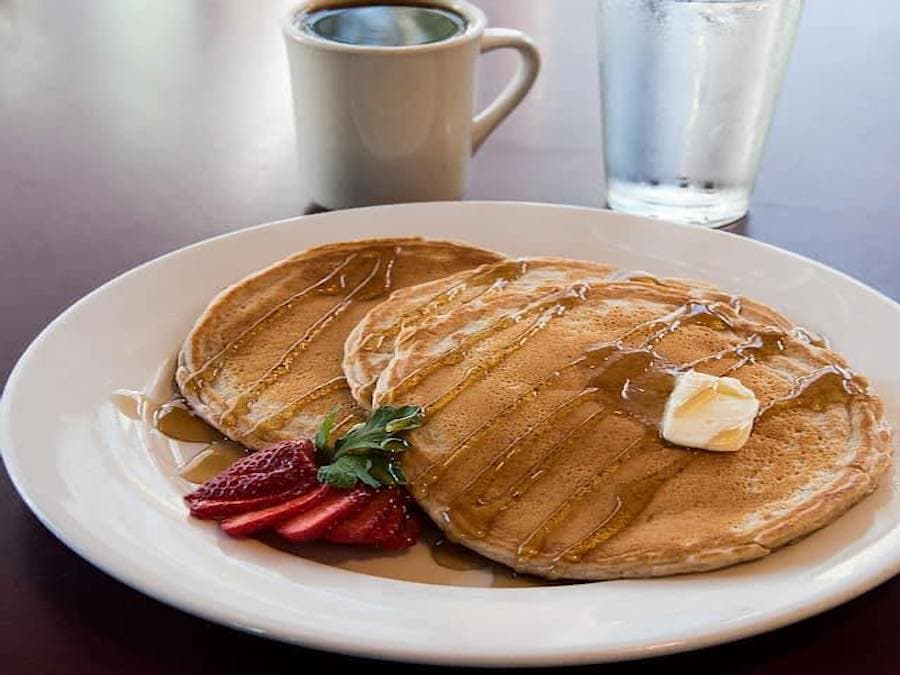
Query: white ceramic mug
x=380 y=125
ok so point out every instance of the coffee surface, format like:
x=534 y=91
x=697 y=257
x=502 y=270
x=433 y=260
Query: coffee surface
x=384 y=25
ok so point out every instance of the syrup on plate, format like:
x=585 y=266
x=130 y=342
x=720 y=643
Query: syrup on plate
x=433 y=560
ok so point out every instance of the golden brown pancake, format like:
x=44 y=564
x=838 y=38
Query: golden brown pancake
x=541 y=447
x=370 y=345
x=263 y=362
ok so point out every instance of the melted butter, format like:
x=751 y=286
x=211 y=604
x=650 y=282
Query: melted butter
x=729 y=437
x=173 y=419
x=212 y=460
x=698 y=400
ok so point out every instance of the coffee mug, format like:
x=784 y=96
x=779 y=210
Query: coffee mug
x=385 y=124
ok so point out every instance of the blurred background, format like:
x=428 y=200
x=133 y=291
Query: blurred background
x=165 y=122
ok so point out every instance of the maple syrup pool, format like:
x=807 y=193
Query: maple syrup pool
x=433 y=560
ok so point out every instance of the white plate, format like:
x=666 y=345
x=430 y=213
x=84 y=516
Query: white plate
x=83 y=468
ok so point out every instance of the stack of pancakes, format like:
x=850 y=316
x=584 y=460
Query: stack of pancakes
x=543 y=382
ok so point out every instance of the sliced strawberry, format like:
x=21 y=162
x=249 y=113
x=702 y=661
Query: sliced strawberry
x=389 y=526
x=406 y=536
x=254 y=521
x=225 y=508
x=314 y=523
x=380 y=519
x=279 y=472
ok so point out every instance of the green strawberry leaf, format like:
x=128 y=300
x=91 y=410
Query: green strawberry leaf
x=346 y=471
x=379 y=431
x=324 y=451
x=370 y=451
x=386 y=470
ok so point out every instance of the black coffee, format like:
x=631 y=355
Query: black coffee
x=384 y=25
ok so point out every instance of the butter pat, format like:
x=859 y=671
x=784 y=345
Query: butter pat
x=709 y=412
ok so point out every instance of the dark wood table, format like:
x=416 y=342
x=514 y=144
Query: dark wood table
x=129 y=128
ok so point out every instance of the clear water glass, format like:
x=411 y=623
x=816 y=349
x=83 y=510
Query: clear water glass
x=688 y=89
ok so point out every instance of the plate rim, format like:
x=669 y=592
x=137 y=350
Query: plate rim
x=877 y=572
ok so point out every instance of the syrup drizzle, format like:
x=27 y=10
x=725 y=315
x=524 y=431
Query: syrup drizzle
x=242 y=402
x=212 y=460
x=199 y=377
x=533 y=544
x=819 y=390
x=475 y=511
x=496 y=276
x=760 y=345
x=175 y=420
x=433 y=471
x=622 y=379
x=546 y=307
x=630 y=501
x=480 y=370
x=358 y=277
x=691 y=312
x=279 y=419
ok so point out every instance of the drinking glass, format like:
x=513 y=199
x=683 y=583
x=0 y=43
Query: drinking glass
x=688 y=89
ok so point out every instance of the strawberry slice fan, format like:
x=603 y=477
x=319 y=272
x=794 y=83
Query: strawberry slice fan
x=353 y=494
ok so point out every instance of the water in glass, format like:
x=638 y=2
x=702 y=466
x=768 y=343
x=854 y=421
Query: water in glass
x=688 y=89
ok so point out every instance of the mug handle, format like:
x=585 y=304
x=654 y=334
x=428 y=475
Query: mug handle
x=500 y=38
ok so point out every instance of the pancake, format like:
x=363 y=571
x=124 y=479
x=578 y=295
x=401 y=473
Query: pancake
x=370 y=345
x=263 y=362
x=541 y=448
